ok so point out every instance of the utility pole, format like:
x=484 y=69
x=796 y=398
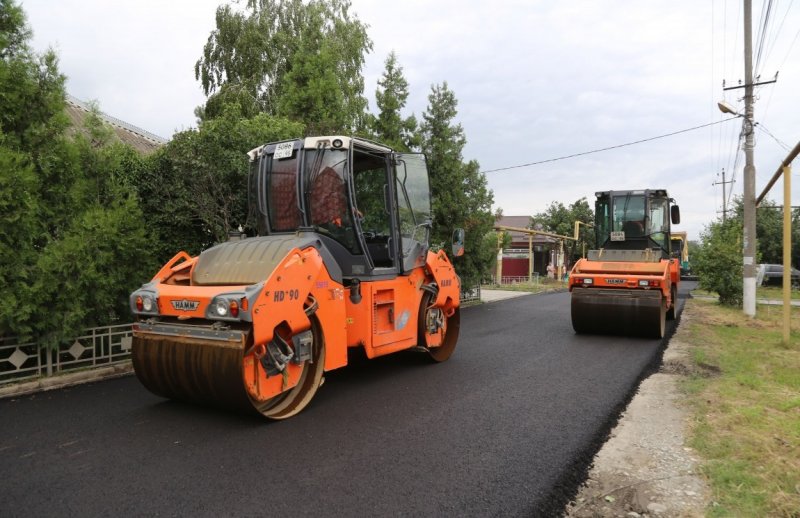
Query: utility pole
x=749 y=237
x=724 y=195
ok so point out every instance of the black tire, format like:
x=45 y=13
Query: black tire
x=444 y=351
x=671 y=311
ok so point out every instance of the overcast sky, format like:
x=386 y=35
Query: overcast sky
x=535 y=80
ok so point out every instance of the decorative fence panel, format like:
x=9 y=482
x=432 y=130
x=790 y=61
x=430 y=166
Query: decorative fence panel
x=471 y=294
x=515 y=279
x=98 y=346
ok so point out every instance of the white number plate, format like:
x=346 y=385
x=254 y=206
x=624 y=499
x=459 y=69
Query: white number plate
x=283 y=150
x=618 y=236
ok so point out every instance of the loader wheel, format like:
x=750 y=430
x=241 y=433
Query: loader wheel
x=671 y=311
x=292 y=401
x=435 y=327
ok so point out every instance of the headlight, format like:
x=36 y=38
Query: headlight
x=147 y=303
x=221 y=308
x=230 y=306
x=144 y=302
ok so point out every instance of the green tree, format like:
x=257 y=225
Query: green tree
x=97 y=252
x=194 y=189
x=76 y=241
x=459 y=190
x=560 y=219
x=389 y=126
x=31 y=87
x=21 y=227
x=718 y=262
x=287 y=57
x=769 y=231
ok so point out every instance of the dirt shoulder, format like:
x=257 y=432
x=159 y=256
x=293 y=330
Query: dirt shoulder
x=645 y=468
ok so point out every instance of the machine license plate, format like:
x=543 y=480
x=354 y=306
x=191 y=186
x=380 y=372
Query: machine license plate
x=615 y=281
x=617 y=236
x=283 y=150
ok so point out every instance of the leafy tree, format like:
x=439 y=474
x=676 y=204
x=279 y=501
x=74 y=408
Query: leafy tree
x=194 y=189
x=311 y=91
x=14 y=33
x=718 y=262
x=769 y=231
x=19 y=206
x=389 y=126
x=87 y=275
x=293 y=58
x=560 y=219
x=460 y=194
x=76 y=238
x=31 y=88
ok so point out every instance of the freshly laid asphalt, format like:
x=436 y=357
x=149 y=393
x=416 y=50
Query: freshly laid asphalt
x=507 y=427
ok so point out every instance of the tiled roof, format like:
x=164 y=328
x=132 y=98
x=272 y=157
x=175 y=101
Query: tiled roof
x=139 y=139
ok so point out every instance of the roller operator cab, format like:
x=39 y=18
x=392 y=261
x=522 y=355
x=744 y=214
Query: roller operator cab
x=629 y=284
x=340 y=259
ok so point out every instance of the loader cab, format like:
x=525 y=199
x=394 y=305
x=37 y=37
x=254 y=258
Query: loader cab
x=635 y=220
x=370 y=206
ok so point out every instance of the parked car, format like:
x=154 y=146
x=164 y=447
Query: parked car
x=773 y=275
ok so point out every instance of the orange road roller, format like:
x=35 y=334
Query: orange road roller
x=340 y=258
x=629 y=285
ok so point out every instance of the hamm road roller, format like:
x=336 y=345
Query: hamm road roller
x=340 y=258
x=629 y=285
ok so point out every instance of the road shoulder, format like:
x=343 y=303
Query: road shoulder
x=59 y=381
x=646 y=468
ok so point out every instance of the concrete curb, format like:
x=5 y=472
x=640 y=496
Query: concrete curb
x=496 y=295
x=66 y=380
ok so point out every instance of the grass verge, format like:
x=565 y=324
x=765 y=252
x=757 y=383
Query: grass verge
x=745 y=398
x=775 y=293
x=762 y=292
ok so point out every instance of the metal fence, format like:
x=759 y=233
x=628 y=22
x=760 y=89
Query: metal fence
x=98 y=346
x=515 y=279
x=471 y=294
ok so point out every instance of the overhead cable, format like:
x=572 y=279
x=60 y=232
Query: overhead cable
x=607 y=148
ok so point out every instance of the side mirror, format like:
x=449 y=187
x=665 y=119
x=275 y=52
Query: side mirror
x=458 y=242
x=675 y=214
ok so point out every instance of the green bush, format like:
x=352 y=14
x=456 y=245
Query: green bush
x=718 y=261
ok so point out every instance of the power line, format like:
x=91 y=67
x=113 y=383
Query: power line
x=607 y=148
x=771 y=44
x=762 y=35
x=776 y=139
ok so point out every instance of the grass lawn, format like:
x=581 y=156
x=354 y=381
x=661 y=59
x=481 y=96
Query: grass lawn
x=762 y=292
x=745 y=400
x=774 y=293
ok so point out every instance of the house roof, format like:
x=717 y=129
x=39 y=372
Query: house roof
x=139 y=139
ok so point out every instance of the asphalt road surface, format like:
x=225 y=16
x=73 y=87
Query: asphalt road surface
x=507 y=427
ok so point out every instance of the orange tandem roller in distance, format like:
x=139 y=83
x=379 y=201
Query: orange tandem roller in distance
x=629 y=285
x=340 y=258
